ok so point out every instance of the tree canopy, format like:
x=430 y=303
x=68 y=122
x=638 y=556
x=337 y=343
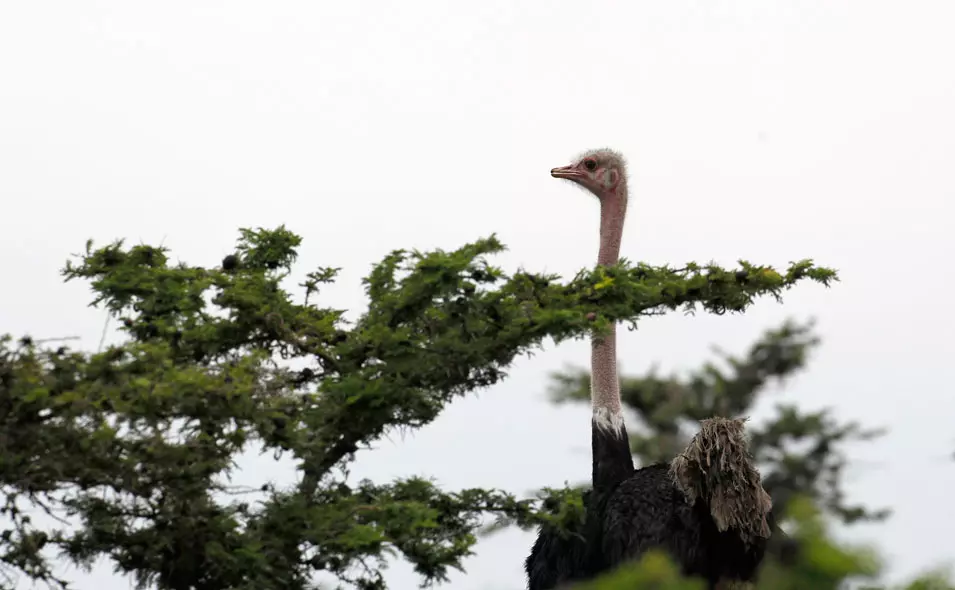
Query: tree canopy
x=129 y=449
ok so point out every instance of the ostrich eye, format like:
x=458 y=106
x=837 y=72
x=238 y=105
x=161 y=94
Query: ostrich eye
x=590 y=164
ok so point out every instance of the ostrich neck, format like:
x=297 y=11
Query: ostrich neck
x=605 y=386
x=613 y=211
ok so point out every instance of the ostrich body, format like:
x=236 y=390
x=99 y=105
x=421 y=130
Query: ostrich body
x=714 y=522
x=706 y=508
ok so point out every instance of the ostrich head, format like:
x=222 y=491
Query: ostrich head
x=603 y=172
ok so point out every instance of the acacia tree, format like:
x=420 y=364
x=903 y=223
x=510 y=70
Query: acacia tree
x=801 y=453
x=134 y=445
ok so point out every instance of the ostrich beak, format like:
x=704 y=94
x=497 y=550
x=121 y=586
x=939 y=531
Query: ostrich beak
x=566 y=172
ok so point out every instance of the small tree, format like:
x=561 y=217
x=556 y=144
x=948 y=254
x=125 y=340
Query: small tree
x=135 y=444
x=800 y=453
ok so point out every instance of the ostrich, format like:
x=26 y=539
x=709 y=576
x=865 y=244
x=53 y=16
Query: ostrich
x=707 y=508
x=557 y=559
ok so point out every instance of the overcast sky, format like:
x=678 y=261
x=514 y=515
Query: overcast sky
x=764 y=130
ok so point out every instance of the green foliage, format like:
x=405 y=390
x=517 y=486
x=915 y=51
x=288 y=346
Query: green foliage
x=135 y=444
x=654 y=570
x=800 y=452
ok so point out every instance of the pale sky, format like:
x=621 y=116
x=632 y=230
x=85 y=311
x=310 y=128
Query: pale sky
x=768 y=130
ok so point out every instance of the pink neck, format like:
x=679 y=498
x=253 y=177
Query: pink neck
x=613 y=211
x=605 y=386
